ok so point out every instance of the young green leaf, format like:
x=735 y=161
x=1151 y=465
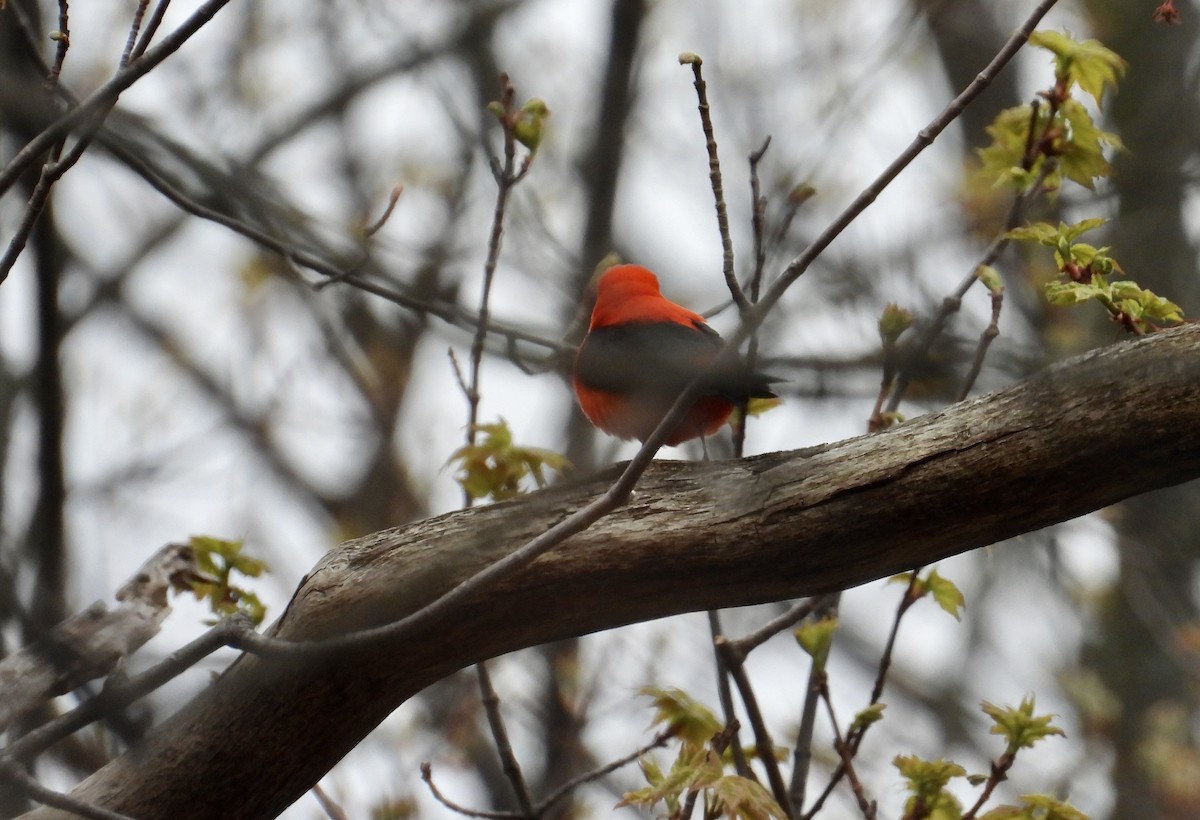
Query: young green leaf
x=816 y=638
x=945 y=593
x=217 y=559
x=872 y=714
x=1036 y=807
x=1019 y=726
x=686 y=717
x=1089 y=63
x=740 y=798
x=927 y=780
x=495 y=466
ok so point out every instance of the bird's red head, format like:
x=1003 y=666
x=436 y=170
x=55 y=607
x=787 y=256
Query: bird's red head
x=629 y=294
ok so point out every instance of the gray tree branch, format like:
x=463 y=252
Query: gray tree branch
x=1079 y=436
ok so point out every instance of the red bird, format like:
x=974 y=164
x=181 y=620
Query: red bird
x=642 y=350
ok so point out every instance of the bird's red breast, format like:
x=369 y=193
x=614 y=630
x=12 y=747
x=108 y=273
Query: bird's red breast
x=642 y=350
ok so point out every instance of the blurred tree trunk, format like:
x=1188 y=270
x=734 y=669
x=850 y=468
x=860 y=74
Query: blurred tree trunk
x=1156 y=114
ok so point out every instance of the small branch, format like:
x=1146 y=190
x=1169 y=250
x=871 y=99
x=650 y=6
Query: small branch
x=63 y=41
x=762 y=737
x=951 y=304
x=332 y=810
x=840 y=745
x=90 y=644
x=997 y=775
x=923 y=140
x=567 y=788
x=375 y=226
x=986 y=338
x=14 y=774
x=116 y=695
x=745 y=645
x=725 y=695
x=802 y=750
x=156 y=18
x=138 y=13
x=449 y=313
x=427 y=776
x=508 y=759
x=108 y=93
x=714 y=176
x=885 y=660
x=757 y=220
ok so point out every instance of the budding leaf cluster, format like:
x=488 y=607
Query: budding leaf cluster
x=698 y=767
x=1085 y=273
x=816 y=638
x=217 y=560
x=1019 y=726
x=927 y=781
x=495 y=466
x=1056 y=138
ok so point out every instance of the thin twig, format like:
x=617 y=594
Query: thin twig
x=51 y=173
x=505 y=180
x=744 y=645
x=393 y=198
x=595 y=774
x=156 y=18
x=714 y=176
x=725 y=696
x=922 y=141
x=986 y=338
x=63 y=38
x=855 y=738
x=997 y=775
x=427 y=776
x=117 y=695
x=839 y=744
x=108 y=93
x=802 y=750
x=447 y=312
x=13 y=773
x=332 y=810
x=757 y=223
x=951 y=304
x=138 y=13
x=762 y=737
x=508 y=758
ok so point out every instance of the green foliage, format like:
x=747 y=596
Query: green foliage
x=990 y=278
x=893 y=322
x=685 y=717
x=1086 y=269
x=216 y=561
x=698 y=767
x=1080 y=150
x=927 y=780
x=1036 y=807
x=1057 y=137
x=816 y=638
x=944 y=591
x=1019 y=726
x=872 y=714
x=530 y=123
x=495 y=466
x=1089 y=64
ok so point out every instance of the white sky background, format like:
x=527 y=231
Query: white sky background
x=847 y=86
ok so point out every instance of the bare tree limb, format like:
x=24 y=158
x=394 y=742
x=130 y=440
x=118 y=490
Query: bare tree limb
x=91 y=643
x=1080 y=436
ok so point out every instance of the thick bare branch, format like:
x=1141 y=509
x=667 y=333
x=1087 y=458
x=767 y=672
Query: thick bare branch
x=695 y=536
x=91 y=643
